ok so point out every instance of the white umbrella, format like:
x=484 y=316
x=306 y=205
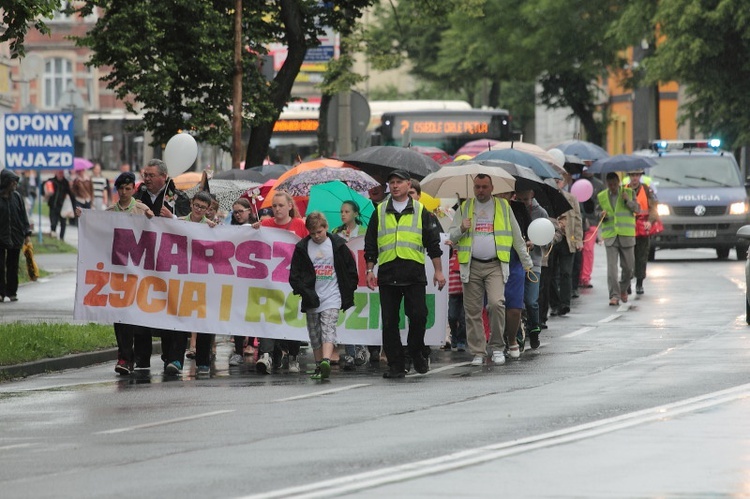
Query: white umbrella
x=458 y=181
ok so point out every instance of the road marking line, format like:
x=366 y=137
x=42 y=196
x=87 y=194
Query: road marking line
x=16 y=446
x=610 y=318
x=479 y=455
x=324 y=392
x=441 y=369
x=162 y=423
x=578 y=332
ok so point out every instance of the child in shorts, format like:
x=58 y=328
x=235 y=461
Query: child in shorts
x=324 y=273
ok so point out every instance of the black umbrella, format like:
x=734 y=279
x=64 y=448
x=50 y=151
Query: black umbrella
x=587 y=151
x=379 y=161
x=270 y=171
x=237 y=174
x=621 y=163
x=545 y=191
x=573 y=164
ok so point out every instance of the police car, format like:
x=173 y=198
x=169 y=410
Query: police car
x=702 y=197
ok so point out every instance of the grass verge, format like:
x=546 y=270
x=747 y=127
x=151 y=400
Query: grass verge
x=25 y=342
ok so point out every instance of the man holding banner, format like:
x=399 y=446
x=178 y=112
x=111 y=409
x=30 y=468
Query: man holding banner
x=160 y=195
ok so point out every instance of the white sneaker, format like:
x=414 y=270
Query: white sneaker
x=236 y=359
x=263 y=366
x=498 y=358
x=293 y=364
x=514 y=352
x=478 y=360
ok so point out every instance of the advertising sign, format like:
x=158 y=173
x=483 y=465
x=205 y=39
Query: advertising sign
x=37 y=140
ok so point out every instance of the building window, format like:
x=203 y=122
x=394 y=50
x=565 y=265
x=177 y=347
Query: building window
x=61 y=17
x=58 y=76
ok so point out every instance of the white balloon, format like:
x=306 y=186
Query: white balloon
x=541 y=231
x=558 y=156
x=180 y=153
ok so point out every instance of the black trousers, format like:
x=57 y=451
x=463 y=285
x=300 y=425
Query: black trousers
x=9 y=271
x=203 y=347
x=415 y=306
x=133 y=344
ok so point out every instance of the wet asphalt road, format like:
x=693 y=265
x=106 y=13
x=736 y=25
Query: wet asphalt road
x=650 y=399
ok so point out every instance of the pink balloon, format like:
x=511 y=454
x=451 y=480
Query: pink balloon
x=582 y=190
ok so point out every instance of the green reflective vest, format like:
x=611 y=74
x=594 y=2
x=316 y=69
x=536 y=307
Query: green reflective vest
x=623 y=221
x=402 y=238
x=501 y=226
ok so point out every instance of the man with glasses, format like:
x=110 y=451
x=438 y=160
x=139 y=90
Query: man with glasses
x=157 y=191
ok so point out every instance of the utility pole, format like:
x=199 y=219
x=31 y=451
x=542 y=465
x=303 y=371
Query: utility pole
x=237 y=87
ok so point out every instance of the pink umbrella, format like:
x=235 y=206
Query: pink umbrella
x=476 y=147
x=81 y=164
x=435 y=153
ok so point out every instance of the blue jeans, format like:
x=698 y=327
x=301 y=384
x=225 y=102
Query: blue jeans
x=457 y=320
x=531 y=300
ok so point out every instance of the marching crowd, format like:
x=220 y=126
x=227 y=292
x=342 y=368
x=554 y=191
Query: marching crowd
x=502 y=287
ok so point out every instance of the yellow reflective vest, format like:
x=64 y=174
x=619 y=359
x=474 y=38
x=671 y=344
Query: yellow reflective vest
x=501 y=226
x=400 y=238
x=620 y=221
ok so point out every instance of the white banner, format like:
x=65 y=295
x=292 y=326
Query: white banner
x=231 y=280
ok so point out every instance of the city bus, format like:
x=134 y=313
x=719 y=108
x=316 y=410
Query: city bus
x=295 y=134
x=447 y=129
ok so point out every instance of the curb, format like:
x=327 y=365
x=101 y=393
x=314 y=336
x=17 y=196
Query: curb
x=74 y=361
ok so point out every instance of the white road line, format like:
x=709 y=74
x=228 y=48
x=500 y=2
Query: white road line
x=578 y=332
x=162 y=423
x=16 y=446
x=610 y=318
x=469 y=457
x=323 y=392
x=444 y=368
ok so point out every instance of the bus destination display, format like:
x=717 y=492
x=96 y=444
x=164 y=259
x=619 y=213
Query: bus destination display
x=433 y=127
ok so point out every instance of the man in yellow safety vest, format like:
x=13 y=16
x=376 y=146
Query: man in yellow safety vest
x=399 y=232
x=484 y=230
x=617 y=208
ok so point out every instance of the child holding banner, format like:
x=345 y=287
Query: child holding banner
x=203 y=341
x=324 y=273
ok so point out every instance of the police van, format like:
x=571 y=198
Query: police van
x=702 y=197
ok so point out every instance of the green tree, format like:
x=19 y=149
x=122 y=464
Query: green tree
x=173 y=60
x=18 y=16
x=706 y=48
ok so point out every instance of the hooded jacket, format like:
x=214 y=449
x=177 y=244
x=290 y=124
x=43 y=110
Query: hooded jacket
x=302 y=273
x=14 y=224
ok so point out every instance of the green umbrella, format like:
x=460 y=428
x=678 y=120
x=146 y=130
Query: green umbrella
x=327 y=198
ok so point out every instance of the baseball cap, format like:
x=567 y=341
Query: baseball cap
x=400 y=174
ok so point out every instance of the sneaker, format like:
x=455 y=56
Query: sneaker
x=236 y=359
x=563 y=311
x=498 y=358
x=360 y=355
x=325 y=369
x=461 y=347
x=317 y=375
x=123 y=368
x=173 y=367
x=514 y=352
x=349 y=363
x=421 y=364
x=624 y=297
x=478 y=360
x=294 y=364
x=190 y=354
x=203 y=370
x=394 y=372
x=534 y=338
x=263 y=366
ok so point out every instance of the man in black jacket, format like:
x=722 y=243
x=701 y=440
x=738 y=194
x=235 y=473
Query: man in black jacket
x=397 y=245
x=159 y=193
